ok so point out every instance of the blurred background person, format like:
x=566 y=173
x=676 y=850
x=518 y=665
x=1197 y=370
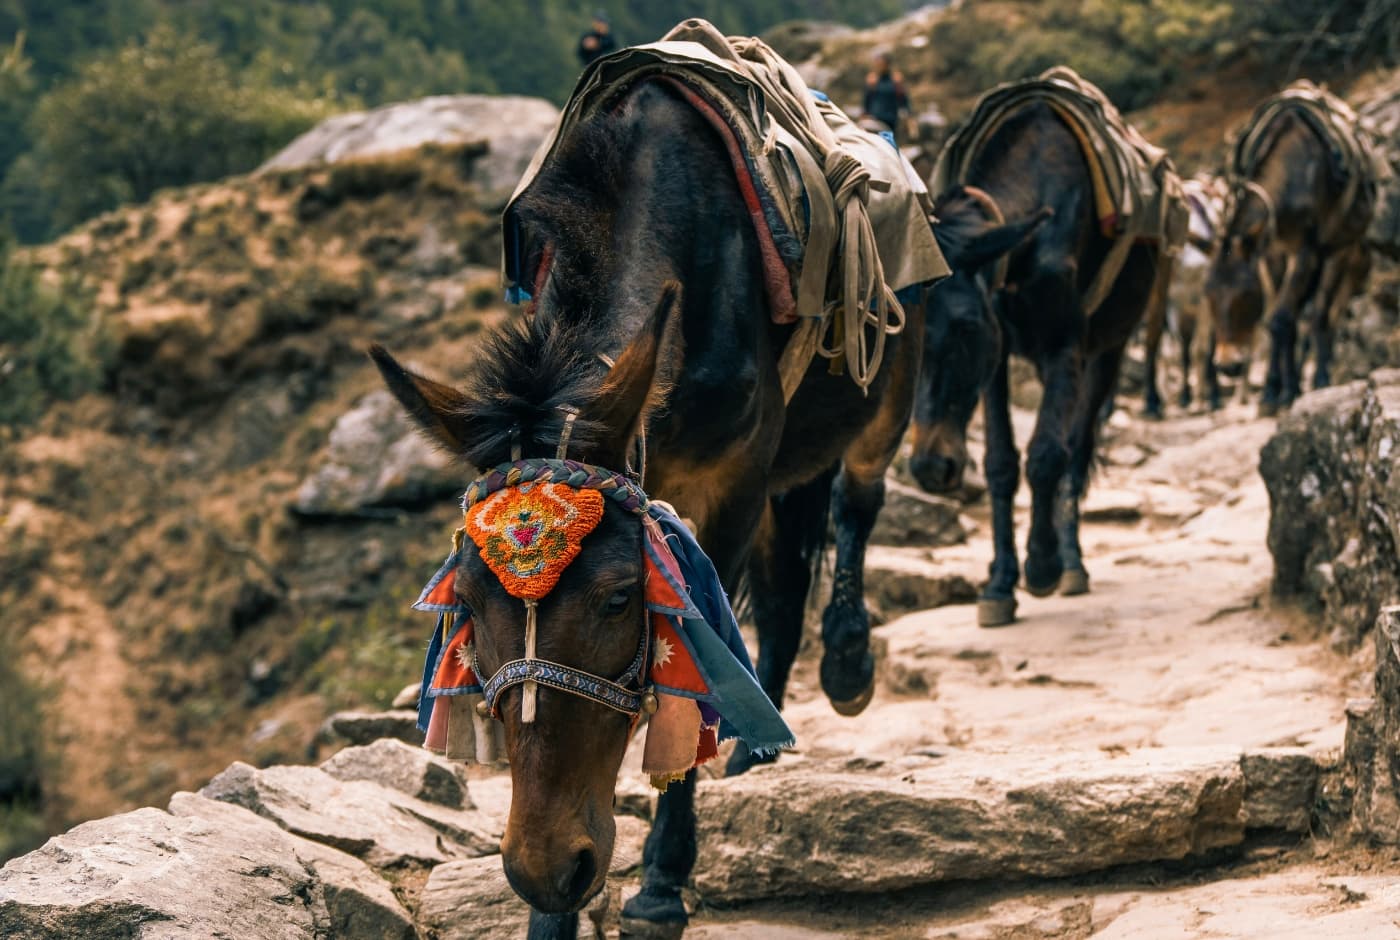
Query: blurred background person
x=598 y=41
x=886 y=98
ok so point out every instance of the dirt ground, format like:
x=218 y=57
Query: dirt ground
x=1177 y=645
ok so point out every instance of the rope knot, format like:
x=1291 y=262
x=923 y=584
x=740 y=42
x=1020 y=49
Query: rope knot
x=846 y=176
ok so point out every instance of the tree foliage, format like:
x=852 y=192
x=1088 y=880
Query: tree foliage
x=268 y=65
x=163 y=111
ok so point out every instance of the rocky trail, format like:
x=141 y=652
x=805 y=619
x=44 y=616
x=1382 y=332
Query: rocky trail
x=1124 y=727
x=1159 y=758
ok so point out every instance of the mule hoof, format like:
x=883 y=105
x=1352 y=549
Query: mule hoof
x=996 y=611
x=1042 y=573
x=1268 y=409
x=1074 y=582
x=848 y=679
x=743 y=759
x=633 y=928
x=853 y=707
x=654 y=915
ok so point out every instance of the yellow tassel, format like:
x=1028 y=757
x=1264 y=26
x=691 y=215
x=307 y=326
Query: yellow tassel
x=662 y=781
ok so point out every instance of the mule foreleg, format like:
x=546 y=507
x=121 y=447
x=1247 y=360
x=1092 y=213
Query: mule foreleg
x=997 y=605
x=1210 y=381
x=552 y=926
x=667 y=859
x=787 y=550
x=848 y=666
x=1100 y=378
x=1186 y=332
x=1281 y=385
x=1154 y=324
x=1047 y=460
x=1342 y=275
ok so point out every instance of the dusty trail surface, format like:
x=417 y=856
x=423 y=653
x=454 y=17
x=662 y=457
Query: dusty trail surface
x=1177 y=652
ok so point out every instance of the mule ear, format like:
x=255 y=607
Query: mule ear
x=995 y=242
x=440 y=410
x=635 y=385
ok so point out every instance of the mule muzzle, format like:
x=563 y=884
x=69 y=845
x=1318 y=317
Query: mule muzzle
x=556 y=879
x=1231 y=360
x=937 y=473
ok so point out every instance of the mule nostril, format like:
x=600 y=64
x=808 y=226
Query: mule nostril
x=936 y=473
x=577 y=882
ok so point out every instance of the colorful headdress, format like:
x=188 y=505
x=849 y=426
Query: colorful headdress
x=691 y=674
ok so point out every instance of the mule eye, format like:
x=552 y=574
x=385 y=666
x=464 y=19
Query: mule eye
x=617 y=603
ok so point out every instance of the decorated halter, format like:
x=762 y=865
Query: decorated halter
x=528 y=520
x=691 y=675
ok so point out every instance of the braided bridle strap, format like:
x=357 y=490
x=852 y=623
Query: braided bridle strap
x=625 y=493
x=626 y=693
x=613 y=693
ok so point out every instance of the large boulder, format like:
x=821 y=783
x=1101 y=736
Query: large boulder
x=1334 y=509
x=512 y=126
x=399 y=766
x=803 y=828
x=205 y=869
x=1372 y=754
x=384 y=826
x=375 y=459
x=356 y=727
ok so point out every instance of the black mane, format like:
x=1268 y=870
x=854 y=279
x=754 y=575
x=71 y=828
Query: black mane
x=537 y=363
x=526 y=371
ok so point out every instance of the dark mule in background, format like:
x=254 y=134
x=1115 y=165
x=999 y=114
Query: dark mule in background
x=655 y=266
x=1291 y=250
x=1032 y=168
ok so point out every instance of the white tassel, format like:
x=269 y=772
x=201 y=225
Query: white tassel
x=527 y=701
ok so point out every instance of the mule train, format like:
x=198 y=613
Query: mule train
x=736 y=302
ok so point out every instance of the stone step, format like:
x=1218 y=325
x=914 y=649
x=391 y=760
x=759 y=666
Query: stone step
x=807 y=827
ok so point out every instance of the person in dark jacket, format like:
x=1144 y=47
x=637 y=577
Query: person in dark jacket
x=598 y=41
x=886 y=99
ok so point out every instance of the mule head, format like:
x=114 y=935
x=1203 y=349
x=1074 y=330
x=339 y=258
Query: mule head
x=564 y=759
x=962 y=338
x=1237 y=287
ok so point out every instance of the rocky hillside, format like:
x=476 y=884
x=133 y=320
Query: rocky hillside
x=219 y=549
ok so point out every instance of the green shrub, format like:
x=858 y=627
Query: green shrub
x=52 y=346
x=166 y=111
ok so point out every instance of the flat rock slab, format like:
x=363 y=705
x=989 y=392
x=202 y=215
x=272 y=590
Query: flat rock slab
x=902 y=580
x=385 y=827
x=1303 y=902
x=205 y=869
x=912 y=517
x=403 y=767
x=800 y=828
